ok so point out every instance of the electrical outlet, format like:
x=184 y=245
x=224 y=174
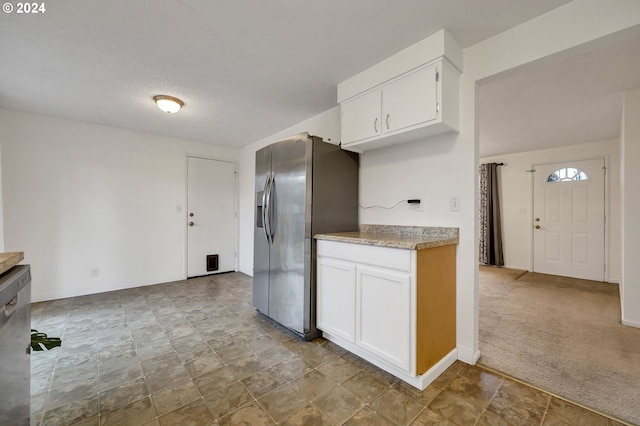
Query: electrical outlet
x=454 y=203
x=95 y=272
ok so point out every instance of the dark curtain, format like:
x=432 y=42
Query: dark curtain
x=490 y=229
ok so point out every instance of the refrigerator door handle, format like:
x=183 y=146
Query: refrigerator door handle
x=265 y=225
x=269 y=209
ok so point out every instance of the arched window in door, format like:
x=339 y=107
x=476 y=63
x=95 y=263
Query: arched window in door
x=567 y=174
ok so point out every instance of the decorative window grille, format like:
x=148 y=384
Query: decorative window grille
x=567 y=174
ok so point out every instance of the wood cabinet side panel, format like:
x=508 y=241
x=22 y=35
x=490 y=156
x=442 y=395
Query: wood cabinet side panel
x=436 y=305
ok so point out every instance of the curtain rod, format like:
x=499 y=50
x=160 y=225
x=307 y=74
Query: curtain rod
x=499 y=164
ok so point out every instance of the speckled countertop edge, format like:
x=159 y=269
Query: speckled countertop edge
x=397 y=236
x=9 y=260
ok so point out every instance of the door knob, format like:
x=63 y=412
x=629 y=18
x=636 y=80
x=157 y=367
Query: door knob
x=190 y=223
x=191 y=214
x=537 y=219
x=537 y=226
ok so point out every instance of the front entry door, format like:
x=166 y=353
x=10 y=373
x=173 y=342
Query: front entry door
x=211 y=216
x=568 y=221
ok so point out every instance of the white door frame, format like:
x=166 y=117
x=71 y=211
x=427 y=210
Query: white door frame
x=607 y=179
x=185 y=212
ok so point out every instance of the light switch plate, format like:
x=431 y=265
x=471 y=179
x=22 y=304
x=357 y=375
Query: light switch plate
x=454 y=203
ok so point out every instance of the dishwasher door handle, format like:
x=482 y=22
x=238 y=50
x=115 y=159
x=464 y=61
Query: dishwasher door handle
x=11 y=306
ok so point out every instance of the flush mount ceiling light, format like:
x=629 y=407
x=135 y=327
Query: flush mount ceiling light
x=168 y=103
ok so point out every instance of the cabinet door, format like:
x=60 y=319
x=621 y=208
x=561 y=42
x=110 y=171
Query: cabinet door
x=336 y=298
x=410 y=100
x=383 y=314
x=361 y=118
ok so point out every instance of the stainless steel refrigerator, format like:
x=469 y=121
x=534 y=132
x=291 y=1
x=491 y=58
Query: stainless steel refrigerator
x=304 y=186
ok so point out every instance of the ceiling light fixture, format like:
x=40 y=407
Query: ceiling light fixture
x=168 y=103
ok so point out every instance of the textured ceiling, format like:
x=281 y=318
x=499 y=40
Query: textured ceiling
x=572 y=97
x=245 y=68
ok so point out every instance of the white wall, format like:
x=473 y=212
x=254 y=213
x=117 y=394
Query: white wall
x=629 y=184
x=516 y=199
x=570 y=25
x=440 y=167
x=79 y=196
x=325 y=125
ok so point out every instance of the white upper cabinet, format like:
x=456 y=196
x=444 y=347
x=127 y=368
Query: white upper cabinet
x=361 y=117
x=410 y=96
x=410 y=100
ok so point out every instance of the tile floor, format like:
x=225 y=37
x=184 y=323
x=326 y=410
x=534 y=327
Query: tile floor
x=195 y=353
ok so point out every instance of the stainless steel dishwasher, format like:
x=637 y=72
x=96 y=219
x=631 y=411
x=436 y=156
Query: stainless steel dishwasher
x=15 y=344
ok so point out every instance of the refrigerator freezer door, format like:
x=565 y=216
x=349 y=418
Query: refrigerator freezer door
x=290 y=201
x=260 y=244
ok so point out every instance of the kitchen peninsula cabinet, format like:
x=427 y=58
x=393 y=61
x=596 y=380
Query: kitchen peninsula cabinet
x=390 y=297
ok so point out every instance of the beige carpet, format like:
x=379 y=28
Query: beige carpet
x=563 y=335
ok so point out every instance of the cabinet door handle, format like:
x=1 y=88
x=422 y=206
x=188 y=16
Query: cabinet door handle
x=375 y=125
x=387 y=120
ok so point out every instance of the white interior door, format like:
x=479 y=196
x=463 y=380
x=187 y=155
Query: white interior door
x=211 y=216
x=568 y=219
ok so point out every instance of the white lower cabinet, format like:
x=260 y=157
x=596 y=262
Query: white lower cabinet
x=383 y=313
x=336 y=298
x=392 y=307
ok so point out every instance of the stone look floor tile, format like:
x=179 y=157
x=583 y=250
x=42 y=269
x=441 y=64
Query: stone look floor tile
x=275 y=355
x=424 y=397
x=365 y=386
x=206 y=354
x=456 y=408
x=367 y=417
x=175 y=397
x=478 y=392
x=574 y=414
x=263 y=382
x=118 y=377
x=122 y=395
x=519 y=403
x=246 y=366
x=74 y=412
x=429 y=418
x=339 y=369
x=223 y=401
x=196 y=413
x=215 y=380
x=283 y=402
x=40 y=384
x=135 y=413
x=397 y=407
x=168 y=378
x=250 y=415
x=314 y=384
x=308 y=416
x=94 y=421
x=203 y=365
x=339 y=404
x=71 y=392
x=490 y=419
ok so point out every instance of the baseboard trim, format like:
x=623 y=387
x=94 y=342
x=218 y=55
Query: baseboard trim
x=631 y=323
x=419 y=382
x=246 y=271
x=84 y=291
x=468 y=355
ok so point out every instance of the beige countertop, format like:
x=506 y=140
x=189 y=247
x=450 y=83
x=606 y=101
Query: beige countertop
x=403 y=237
x=9 y=260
